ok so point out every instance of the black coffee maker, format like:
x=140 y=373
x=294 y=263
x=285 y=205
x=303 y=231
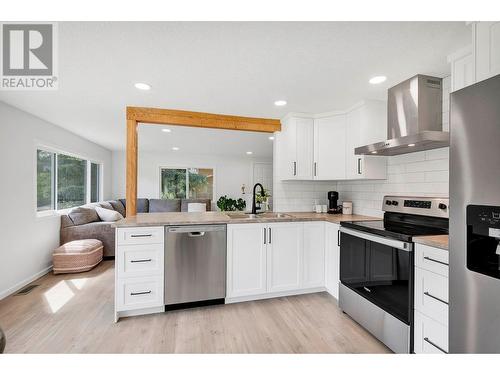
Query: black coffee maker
x=333 y=207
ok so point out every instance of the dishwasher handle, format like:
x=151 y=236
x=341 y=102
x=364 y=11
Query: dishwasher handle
x=196 y=230
x=196 y=234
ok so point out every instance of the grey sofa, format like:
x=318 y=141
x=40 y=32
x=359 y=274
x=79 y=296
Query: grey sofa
x=103 y=231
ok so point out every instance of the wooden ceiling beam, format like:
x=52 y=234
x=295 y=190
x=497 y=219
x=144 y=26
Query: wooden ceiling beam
x=201 y=120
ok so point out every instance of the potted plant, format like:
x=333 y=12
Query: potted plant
x=263 y=200
x=228 y=204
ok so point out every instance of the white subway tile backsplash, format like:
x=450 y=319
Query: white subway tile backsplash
x=428 y=165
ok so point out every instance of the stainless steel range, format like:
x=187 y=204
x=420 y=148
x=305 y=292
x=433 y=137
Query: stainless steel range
x=376 y=266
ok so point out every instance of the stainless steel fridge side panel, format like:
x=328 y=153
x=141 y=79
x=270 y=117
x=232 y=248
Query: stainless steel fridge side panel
x=474 y=315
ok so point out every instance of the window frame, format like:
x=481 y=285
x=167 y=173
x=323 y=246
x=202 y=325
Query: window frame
x=56 y=151
x=214 y=185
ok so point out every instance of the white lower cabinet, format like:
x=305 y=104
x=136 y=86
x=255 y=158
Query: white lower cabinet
x=268 y=260
x=246 y=260
x=332 y=259
x=314 y=255
x=284 y=256
x=431 y=300
x=139 y=271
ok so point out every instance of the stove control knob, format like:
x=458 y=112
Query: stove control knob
x=394 y=203
x=388 y=202
x=442 y=206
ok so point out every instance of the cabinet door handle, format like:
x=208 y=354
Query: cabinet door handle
x=141 y=260
x=359 y=165
x=265 y=236
x=295 y=168
x=141 y=235
x=269 y=235
x=426 y=339
x=338 y=238
x=436 y=298
x=436 y=261
x=139 y=293
x=315 y=169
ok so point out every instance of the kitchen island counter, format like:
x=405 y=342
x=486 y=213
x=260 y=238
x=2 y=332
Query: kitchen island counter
x=212 y=217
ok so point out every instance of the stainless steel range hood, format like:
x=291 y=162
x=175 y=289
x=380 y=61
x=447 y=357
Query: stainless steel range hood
x=414 y=119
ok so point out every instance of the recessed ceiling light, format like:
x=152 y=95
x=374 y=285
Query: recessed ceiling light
x=166 y=130
x=142 y=86
x=249 y=152
x=377 y=79
x=175 y=148
x=271 y=138
x=280 y=103
x=411 y=145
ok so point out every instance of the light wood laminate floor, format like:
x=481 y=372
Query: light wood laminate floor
x=74 y=314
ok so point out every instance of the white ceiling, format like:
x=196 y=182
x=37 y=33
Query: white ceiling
x=197 y=141
x=230 y=68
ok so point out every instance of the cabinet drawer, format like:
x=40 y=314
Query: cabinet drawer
x=432 y=259
x=429 y=336
x=139 y=235
x=139 y=293
x=140 y=260
x=431 y=295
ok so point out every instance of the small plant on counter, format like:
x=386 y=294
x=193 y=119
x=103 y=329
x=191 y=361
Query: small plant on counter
x=229 y=204
x=263 y=198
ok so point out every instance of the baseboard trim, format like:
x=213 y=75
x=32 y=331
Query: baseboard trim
x=22 y=284
x=274 y=295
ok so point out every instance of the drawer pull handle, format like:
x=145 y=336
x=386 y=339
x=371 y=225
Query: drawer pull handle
x=139 y=293
x=367 y=289
x=141 y=235
x=436 y=298
x=141 y=260
x=426 y=339
x=436 y=261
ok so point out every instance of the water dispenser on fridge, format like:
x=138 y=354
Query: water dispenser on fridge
x=483 y=240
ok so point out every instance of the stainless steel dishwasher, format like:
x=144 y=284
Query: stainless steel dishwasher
x=195 y=264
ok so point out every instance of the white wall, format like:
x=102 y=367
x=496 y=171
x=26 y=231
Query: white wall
x=230 y=172
x=26 y=242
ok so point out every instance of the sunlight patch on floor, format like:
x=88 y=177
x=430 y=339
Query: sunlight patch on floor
x=58 y=296
x=78 y=283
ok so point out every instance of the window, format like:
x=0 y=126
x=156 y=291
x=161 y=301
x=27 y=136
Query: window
x=193 y=183
x=44 y=180
x=71 y=181
x=65 y=181
x=95 y=183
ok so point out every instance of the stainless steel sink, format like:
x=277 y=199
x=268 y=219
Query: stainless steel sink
x=264 y=215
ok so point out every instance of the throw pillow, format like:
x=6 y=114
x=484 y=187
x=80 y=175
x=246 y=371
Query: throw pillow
x=108 y=215
x=82 y=215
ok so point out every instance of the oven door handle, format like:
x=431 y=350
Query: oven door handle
x=405 y=246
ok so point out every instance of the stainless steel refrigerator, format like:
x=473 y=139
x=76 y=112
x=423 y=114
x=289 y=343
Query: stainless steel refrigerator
x=474 y=321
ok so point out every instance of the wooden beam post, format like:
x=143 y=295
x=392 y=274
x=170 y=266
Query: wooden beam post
x=131 y=195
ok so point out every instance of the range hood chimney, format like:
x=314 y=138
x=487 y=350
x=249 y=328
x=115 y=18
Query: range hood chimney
x=414 y=119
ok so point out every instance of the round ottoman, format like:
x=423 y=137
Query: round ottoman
x=77 y=256
x=2 y=341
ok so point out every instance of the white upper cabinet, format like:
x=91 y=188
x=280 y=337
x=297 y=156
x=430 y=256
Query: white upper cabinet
x=462 y=68
x=321 y=147
x=486 y=48
x=366 y=124
x=329 y=148
x=295 y=145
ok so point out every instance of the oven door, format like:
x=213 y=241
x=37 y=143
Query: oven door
x=379 y=269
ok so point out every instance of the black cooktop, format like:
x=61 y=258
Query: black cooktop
x=403 y=229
